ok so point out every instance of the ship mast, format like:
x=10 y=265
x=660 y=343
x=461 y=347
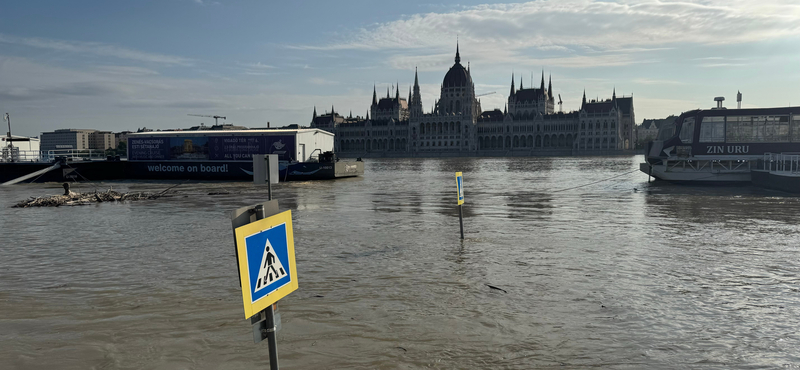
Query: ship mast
x=10 y=142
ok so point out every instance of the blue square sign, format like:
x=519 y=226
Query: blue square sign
x=266 y=261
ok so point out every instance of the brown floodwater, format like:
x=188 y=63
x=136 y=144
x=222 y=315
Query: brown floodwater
x=616 y=274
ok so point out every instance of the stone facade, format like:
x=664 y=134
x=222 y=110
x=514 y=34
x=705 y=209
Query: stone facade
x=528 y=125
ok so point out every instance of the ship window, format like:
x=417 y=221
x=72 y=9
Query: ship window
x=796 y=128
x=758 y=129
x=712 y=130
x=739 y=129
x=666 y=131
x=687 y=130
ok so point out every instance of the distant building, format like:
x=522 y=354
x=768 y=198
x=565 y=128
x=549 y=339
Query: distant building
x=22 y=148
x=77 y=139
x=121 y=137
x=456 y=123
x=648 y=130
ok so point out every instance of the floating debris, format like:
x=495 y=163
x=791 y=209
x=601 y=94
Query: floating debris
x=496 y=288
x=79 y=199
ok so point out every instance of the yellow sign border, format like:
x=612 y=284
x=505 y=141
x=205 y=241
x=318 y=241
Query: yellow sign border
x=242 y=232
x=458 y=193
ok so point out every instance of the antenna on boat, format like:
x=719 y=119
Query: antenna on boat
x=10 y=139
x=739 y=99
x=719 y=101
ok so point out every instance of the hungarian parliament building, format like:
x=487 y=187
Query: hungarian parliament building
x=457 y=125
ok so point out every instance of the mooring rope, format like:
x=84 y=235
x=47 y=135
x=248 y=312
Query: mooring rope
x=595 y=182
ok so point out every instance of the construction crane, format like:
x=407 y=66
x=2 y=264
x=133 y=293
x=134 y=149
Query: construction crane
x=203 y=115
x=559 y=102
x=486 y=94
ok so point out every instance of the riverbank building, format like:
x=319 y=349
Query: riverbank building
x=457 y=126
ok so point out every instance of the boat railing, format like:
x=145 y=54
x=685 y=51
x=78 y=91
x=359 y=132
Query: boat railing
x=16 y=155
x=712 y=165
x=788 y=163
x=7 y=155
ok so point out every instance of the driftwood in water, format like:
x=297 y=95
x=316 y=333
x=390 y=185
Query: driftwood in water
x=77 y=199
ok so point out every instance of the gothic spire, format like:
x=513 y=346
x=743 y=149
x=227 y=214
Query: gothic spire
x=416 y=78
x=584 y=98
x=520 y=83
x=397 y=92
x=550 y=87
x=512 y=84
x=458 y=57
x=541 y=87
x=374 y=95
x=387 y=92
x=315 y=111
x=332 y=115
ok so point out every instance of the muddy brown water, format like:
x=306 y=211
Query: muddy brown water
x=617 y=274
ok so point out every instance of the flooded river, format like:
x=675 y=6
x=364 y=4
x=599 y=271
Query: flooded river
x=616 y=274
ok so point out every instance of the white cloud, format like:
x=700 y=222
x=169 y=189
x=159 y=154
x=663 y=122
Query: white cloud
x=572 y=33
x=651 y=81
x=94 y=48
x=556 y=23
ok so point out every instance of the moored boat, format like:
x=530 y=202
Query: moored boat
x=721 y=145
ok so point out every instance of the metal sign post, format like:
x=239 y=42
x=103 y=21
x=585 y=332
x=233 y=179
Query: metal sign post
x=460 y=186
x=269 y=313
x=266 y=265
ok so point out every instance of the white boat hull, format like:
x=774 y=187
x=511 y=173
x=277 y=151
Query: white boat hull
x=707 y=174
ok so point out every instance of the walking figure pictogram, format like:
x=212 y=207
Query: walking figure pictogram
x=271 y=268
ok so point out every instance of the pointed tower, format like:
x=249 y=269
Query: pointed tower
x=397 y=92
x=550 y=88
x=458 y=56
x=387 y=92
x=512 y=85
x=541 y=86
x=315 y=112
x=374 y=95
x=520 y=83
x=332 y=115
x=415 y=103
x=583 y=103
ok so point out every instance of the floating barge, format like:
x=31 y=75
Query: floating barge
x=303 y=154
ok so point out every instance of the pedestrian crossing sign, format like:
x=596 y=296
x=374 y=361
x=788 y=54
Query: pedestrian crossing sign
x=266 y=261
x=460 y=185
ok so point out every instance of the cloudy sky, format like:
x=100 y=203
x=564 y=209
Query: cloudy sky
x=123 y=65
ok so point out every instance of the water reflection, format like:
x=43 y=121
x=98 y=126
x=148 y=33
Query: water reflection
x=596 y=270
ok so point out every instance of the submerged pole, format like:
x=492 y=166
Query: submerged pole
x=461 y=220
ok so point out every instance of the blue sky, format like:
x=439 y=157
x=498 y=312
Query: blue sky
x=123 y=65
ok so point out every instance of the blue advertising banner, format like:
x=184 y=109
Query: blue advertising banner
x=188 y=148
x=236 y=147
x=283 y=146
x=215 y=148
x=148 y=148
